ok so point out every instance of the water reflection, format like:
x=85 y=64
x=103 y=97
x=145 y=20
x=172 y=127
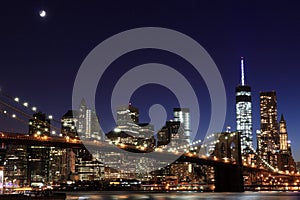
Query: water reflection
x=182 y=195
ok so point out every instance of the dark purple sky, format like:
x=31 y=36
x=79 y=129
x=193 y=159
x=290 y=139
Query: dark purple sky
x=39 y=58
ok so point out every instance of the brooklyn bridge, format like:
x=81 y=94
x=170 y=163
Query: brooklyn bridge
x=230 y=173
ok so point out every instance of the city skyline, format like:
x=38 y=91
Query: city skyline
x=262 y=37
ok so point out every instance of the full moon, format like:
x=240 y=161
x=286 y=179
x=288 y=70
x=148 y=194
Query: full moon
x=42 y=13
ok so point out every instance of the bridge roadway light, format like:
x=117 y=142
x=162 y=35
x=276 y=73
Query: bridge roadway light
x=117 y=130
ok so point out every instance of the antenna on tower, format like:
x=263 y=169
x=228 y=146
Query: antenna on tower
x=242 y=71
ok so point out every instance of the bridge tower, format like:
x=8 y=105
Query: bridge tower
x=229 y=178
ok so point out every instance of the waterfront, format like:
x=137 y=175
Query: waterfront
x=182 y=195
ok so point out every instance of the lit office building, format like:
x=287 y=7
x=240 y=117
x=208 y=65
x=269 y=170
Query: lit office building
x=38 y=165
x=82 y=119
x=69 y=122
x=62 y=164
x=90 y=170
x=38 y=157
x=285 y=158
x=182 y=115
x=39 y=125
x=87 y=168
x=172 y=134
x=96 y=132
x=184 y=171
x=244 y=113
x=15 y=166
x=88 y=124
x=128 y=119
x=163 y=136
x=146 y=130
x=126 y=114
x=268 y=138
x=146 y=135
x=283 y=135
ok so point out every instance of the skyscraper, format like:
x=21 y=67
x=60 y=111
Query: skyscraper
x=182 y=115
x=39 y=125
x=82 y=119
x=268 y=139
x=69 y=123
x=128 y=119
x=126 y=114
x=88 y=124
x=171 y=134
x=244 y=113
x=285 y=158
x=283 y=134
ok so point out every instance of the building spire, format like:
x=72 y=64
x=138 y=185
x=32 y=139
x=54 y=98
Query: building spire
x=242 y=72
x=282 y=118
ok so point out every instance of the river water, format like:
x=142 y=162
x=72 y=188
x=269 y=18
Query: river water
x=182 y=195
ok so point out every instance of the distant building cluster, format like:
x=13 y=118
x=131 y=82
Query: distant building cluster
x=37 y=165
x=273 y=145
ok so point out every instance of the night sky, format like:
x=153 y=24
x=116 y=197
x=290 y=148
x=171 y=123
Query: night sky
x=39 y=57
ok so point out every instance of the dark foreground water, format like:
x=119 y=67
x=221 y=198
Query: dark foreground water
x=183 y=195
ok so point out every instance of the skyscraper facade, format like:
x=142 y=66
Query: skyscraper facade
x=182 y=115
x=268 y=140
x=283 y=135
x=88 y=124
x=285 y=159
x=128 y=119
x=39 y=125
x=171 y=134
x=69 y=123
x=244 y=113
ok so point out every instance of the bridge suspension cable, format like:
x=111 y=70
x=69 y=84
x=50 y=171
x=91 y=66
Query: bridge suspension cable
x=263 y=160
x=26 y=105
x=23 y=113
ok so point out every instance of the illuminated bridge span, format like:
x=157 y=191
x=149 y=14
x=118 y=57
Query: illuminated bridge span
x=23 y=139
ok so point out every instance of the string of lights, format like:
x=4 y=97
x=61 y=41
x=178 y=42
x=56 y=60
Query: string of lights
x=17 y=110
x=27 y=106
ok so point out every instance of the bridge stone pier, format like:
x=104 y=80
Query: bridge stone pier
x=229 y=178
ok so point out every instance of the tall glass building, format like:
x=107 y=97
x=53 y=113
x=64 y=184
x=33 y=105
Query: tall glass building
x=128 y=119
x=268 y=139
x=182 y=115
x=244 y=113
x=88 y=123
